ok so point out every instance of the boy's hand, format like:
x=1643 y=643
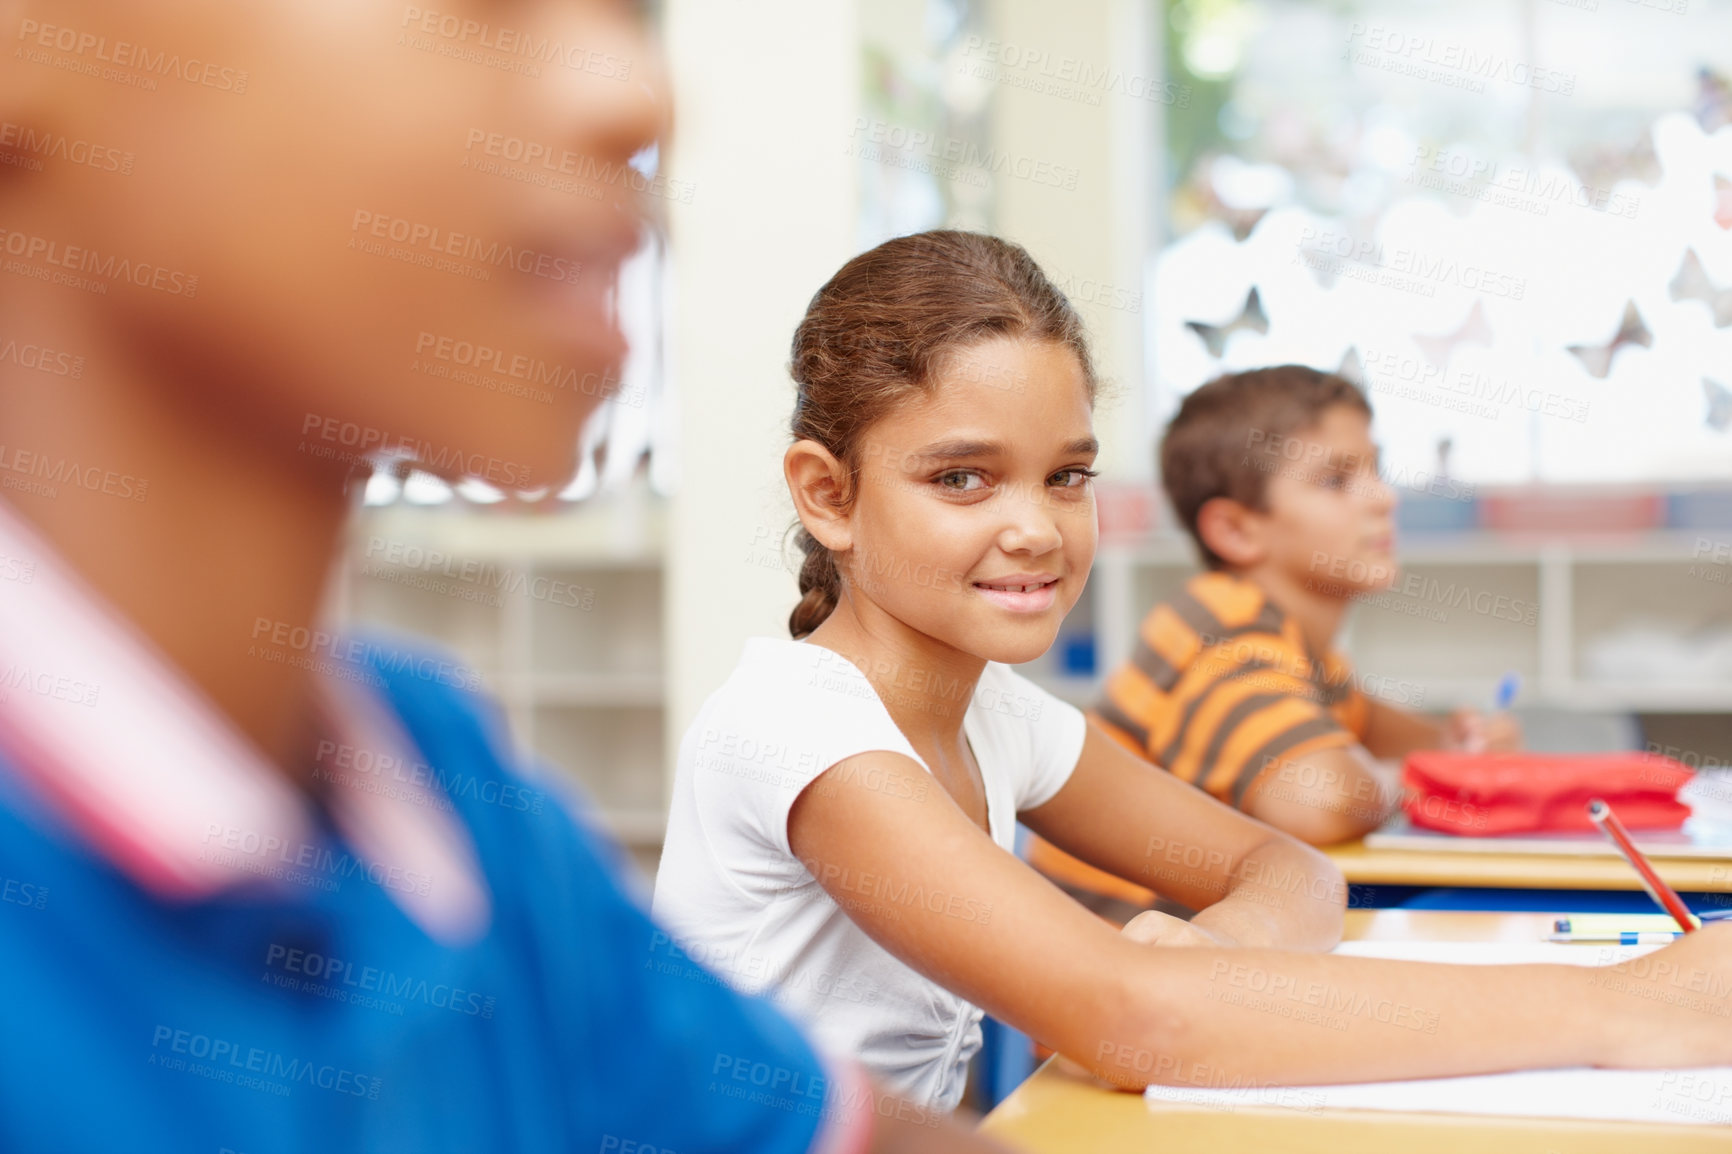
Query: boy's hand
x=1153 y=928
x=1474 y=732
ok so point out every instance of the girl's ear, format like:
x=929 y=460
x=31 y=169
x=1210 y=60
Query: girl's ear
x=1231 y=531
x=818 y=482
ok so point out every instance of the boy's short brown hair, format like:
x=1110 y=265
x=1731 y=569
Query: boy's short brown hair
x=1216 y=444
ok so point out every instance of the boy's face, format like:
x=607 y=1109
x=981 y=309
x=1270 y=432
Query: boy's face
x=404 y=220
x=1329 y=520
x=974 y=519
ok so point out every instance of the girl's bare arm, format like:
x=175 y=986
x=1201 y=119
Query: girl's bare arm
x=928 y=884
x=1252 y=883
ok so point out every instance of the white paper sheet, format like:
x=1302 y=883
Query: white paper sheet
x=1691 y=1097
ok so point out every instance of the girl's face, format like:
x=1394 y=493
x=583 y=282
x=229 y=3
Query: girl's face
x=974 y=517
x=404 y=219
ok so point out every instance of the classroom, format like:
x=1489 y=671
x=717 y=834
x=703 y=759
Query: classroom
x=866 y=574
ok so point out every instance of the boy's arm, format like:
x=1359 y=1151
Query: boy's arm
x=1329 y=796
x=1392 y=732
x=1336 y=795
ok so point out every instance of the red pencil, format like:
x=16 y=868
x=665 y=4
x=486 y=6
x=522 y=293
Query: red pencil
x=1665 y=895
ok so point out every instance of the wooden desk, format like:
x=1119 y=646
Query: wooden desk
x=1058 y=1113
x=1405 y=867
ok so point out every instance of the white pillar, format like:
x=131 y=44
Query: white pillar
x=765 y=98
x=1080 y=89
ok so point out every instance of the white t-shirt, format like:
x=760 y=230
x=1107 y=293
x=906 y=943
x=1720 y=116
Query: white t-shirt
x=737 y=899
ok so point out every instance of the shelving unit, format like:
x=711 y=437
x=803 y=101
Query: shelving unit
x=1484 y=605
x=584 y=688
x=560 y=614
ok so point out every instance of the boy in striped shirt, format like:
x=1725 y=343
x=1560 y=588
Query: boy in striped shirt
x=1235 y=684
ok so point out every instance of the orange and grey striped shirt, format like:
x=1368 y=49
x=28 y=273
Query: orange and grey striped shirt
x=1222 y=684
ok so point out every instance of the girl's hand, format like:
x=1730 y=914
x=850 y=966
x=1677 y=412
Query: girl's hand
x=1678 y=1002
x=1153 y=928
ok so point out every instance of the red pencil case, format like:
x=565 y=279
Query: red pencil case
x=1495 y=793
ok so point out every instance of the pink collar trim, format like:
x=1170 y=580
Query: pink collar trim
x=148 y=772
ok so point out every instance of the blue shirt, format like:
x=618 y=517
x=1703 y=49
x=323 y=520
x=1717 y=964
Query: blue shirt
x=307 y=1006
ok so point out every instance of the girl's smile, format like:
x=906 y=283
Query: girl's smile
x=1021 y=593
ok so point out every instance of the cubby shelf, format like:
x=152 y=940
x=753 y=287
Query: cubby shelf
x=1478 y=605
x=584 y=688
x=561 y=615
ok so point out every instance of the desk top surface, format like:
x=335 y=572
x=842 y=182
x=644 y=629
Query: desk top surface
x=1405 y=867
x=1055 y=1111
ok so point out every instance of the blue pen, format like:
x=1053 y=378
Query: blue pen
x=1506 y=691
x=1507 y=687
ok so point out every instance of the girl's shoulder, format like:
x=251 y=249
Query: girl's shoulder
x=792 y=701
x=771 y=667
